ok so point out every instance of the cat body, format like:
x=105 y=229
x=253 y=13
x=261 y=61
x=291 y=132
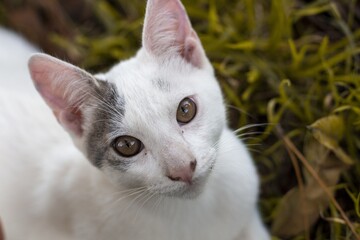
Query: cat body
x=186 y=180
x=14 y=54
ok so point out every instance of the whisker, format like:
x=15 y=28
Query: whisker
x=239 y=110
x=144 y=202
x=250 y=138
x=128 y=190
x=158 y=202
x=131 y=192
x=248 y=133
x=254 y=150
x=252 y=144
x=251 y=126
x=139 y=191
x=134 y=200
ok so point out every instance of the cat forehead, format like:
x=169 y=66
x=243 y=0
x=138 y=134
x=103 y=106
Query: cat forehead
x=142 y=77
x=131 y=76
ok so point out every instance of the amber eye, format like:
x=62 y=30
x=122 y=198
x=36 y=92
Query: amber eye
x=186 y=111
x=127 y=146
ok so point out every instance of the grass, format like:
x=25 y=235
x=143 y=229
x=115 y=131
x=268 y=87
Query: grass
x=292 y=64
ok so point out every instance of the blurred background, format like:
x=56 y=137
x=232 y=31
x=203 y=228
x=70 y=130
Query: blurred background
x=289 y=70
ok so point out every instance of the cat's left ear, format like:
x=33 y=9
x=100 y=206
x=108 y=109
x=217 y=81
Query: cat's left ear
x=64 y=87
x=168 y=32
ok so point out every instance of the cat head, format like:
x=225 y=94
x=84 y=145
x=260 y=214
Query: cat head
x=152 y=121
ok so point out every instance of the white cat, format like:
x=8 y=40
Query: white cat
x=156 y=159
x=14 y=53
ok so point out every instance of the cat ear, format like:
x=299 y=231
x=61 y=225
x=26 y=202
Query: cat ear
x=64 y=87
x=168 y=32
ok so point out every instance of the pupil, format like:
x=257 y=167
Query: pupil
x=185 y=109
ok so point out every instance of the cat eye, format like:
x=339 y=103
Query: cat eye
x=127 y=146
x=186 y=111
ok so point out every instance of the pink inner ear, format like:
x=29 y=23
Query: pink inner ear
x=168 y=31
x=50 y=77
x=60 y=83
x=191 y=52
x=72 y=120
x=51 y=95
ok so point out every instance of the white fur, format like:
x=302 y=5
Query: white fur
x=54 y=193
x=14 y=53
x=49 y=190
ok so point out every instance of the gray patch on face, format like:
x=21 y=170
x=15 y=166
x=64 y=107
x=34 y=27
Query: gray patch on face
x=109 y=110
x=161 y=84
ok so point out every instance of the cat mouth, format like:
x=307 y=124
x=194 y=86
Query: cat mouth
x=185 y=190
x=194 y=189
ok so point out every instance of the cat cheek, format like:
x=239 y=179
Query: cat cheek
x=71 y=121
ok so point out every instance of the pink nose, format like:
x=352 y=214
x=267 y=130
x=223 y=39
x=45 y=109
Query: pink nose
x=183 y=174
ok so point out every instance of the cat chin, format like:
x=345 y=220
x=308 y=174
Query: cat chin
x=184 y=192
x=190 y=191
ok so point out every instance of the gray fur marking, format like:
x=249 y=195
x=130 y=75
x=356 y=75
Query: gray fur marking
x=98 y=149
x=161 y=84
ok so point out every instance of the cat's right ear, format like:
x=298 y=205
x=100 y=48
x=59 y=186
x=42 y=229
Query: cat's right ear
x=64 y=88
x=168 y=32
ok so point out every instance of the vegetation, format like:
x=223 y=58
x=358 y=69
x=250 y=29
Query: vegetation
x=289 y=70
